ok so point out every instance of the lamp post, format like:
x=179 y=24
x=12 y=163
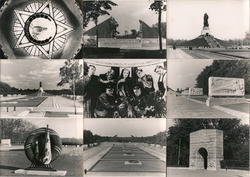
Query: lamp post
x=74 y=90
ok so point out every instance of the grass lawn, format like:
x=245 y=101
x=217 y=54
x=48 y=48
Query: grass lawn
x=71 y=160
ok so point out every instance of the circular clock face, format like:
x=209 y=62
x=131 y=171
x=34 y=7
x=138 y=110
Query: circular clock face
x=41 y=29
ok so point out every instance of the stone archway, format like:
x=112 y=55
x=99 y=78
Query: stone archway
x=203 y=152
x=206 y=149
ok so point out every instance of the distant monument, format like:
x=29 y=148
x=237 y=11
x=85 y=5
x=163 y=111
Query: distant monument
x=206 y=39
x=40 y=91
x=205 y=29
x=42 y=147
x=206 y=20
x=206 y=149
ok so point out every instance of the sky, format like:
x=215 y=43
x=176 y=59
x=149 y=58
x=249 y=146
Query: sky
x=183 y=73
x=125 y=127
x=66 y=128
x=228 y=19
x=128 y=13
x=25 y=74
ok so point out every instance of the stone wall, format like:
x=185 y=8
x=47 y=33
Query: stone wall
x=129 y=43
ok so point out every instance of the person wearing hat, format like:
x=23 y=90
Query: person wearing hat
x=106 y=105
x=139 y=102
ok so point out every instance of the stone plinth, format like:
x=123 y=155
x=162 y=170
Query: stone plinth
x=206 y=149
x=5 y=142
x=40 y=172
x=205 y=30
x=211 y=101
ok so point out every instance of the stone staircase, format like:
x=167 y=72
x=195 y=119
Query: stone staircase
x=212 y=42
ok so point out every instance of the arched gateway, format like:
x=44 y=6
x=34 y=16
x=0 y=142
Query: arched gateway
x=206 y=149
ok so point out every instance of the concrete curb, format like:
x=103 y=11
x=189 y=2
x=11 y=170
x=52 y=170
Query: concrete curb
x=235 y=113
x=88 y=164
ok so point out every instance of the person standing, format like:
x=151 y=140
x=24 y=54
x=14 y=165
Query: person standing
x=162 y=81
x=90 y=91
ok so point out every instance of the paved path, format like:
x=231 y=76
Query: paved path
x=175 y=172
x=180 y=107
x=59 y=102
x=177 y=54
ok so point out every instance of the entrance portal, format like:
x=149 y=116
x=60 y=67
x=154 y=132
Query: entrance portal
x=206 y=149
x=203 y=153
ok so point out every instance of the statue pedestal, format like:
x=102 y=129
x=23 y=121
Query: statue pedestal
x=40 y=172
x=205 y=31
x=211 y=101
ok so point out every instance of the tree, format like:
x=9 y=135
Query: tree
x=87 y=137
x=225 y=68
x=235 y=138
x=71 y=73
x=163 y=28
x=158 y=6
x=134 y=33
x=93 y=9
x=113 y=26
x=15 y=129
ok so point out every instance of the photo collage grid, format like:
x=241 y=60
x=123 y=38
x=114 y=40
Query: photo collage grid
x=124 y=88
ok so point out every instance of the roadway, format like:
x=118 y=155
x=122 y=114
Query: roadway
x=184 y=53
x=126 y=159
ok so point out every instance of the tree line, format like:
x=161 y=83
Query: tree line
x=159 y=138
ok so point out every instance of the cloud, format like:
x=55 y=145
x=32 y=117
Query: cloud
x=7 y=79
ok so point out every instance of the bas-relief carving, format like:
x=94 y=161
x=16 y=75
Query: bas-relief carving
x=222 y=86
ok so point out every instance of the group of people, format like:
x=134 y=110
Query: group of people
x=124 y=97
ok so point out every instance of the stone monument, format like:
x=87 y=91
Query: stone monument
x=225 y=90
x=205 y=29
x=206 y=149
x=195 y=91
x=40 y=91
x=42 y=147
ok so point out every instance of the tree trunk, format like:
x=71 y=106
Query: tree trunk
x=159 y=27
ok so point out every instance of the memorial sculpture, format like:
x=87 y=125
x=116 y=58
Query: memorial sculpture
x=225 y=90
x=205 y=30
x=206 y=149
x=206 y=20
x=40 y=91
x=40 y=29
x=42 y=147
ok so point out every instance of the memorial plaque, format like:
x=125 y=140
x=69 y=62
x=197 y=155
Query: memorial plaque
x=195 y=91
x=224 y=86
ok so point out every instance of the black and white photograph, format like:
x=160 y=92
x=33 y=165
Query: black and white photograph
x=41 y=89
x=124 y=147
x=125 y=88
x=208 y=88
x=41 y=147
x=44 y=29
x=124 y=29
x=208 y=29
x=207 y=147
